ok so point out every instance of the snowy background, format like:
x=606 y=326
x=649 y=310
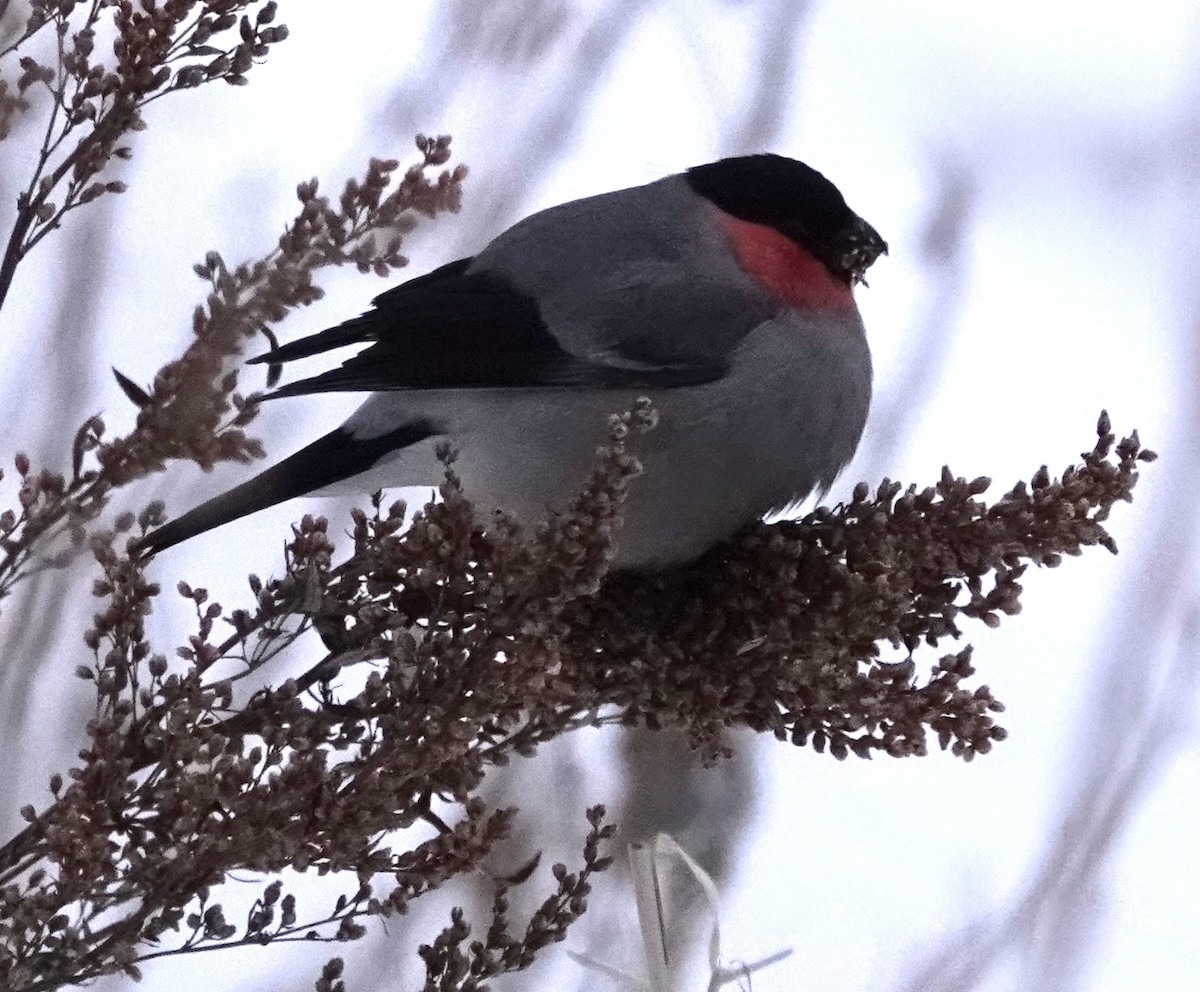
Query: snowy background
x=1036 y=171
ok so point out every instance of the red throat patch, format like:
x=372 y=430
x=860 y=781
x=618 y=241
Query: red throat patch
x=785 y=268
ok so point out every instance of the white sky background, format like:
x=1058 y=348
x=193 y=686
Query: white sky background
x=1075 y=290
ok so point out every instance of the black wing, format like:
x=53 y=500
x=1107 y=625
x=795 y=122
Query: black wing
x=454 y=329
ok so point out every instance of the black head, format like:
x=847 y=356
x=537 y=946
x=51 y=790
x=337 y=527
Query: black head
x=798 y=202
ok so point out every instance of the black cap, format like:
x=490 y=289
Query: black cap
x=797 y=201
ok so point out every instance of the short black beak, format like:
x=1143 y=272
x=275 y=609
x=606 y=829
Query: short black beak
x=862 y=245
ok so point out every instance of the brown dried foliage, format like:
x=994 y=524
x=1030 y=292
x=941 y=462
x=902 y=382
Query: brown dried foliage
x=478 y=645
x=92 y=106
x=96 y=102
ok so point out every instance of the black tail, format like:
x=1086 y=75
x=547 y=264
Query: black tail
x=337 y=456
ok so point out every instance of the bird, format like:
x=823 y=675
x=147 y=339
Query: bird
x=723 y=293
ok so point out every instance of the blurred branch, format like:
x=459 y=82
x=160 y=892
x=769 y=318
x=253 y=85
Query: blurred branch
x=559 y=52
x=772 y=71
x=1048 y=924
x=65 y=361
x=1130 y=722
x=942 y=252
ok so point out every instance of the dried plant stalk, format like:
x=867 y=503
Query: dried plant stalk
x=482 y=644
